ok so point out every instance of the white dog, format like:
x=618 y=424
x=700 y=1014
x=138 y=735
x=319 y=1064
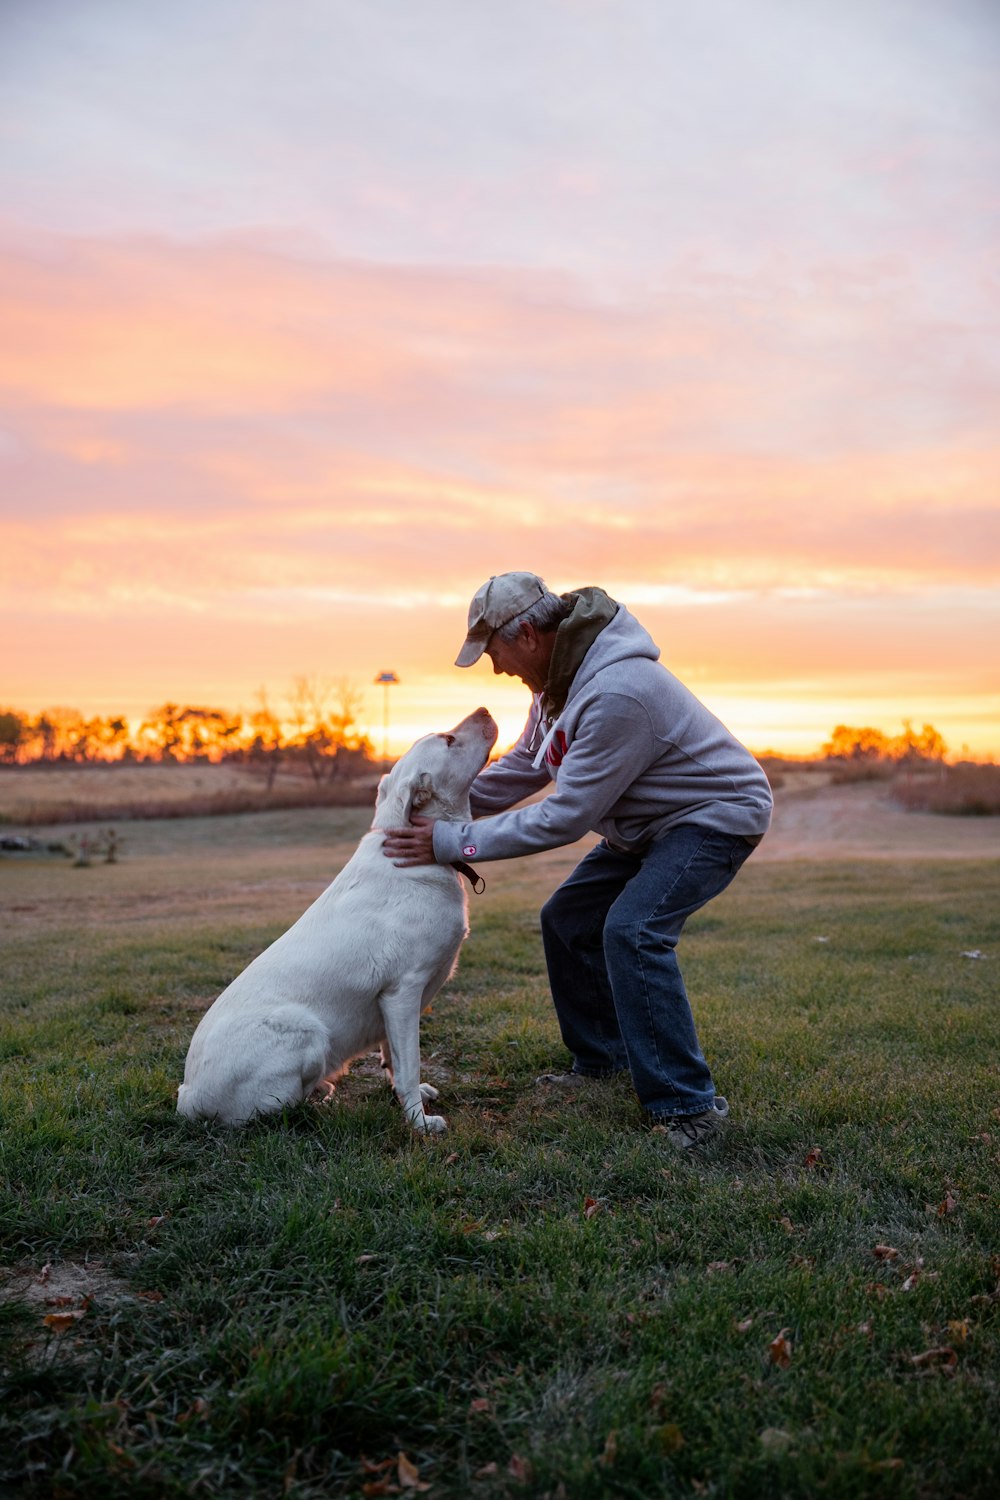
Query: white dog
x=356 y=969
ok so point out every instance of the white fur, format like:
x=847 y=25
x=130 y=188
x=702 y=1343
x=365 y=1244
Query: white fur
x=356 y=969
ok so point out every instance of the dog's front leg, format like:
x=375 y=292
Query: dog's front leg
x=427 y=1090
x=401 y=1013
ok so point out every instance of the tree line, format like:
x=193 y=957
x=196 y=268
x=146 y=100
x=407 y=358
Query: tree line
x=318 y=731
x=867 y=745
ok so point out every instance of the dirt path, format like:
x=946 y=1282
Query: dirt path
x=816 y=820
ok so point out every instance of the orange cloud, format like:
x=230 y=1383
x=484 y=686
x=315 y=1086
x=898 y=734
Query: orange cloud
x=300 y=461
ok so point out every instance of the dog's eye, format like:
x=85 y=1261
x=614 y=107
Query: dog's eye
x=449 y=739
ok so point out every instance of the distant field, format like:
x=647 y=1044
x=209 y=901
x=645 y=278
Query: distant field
x=34 y=796
x=39 y=786
x=814 y=816
x=544 y=1302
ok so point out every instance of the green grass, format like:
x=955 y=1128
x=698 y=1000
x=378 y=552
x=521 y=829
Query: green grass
x=544 y=1301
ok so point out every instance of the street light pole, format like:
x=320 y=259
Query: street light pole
x=385 y=680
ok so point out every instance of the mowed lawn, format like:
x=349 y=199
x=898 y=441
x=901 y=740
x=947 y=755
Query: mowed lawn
x=545 y=1301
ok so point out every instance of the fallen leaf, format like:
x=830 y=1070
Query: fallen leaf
x=670 y=1438
x=911 y=1281
x=959 y=1329
x=887 y=1463
x=610 y=1453
x=61 y=1322
x=479 y=1404
x=376 y=1487
x=948 y=1205
x=775 y=1439
x=198 y=1408
x=520 y=1469
x=45 y=1272
x=362 y=1260
x=885 y=1252
x=813 y=1159
x=59 y=1301
x=408 y=1474
x=150 y=1296
x=780 y=1349
x=718 y=1265
x=590 y=1207
x=877 y=1289
x=157 y=1220
x=787 y=1224
x=745 y=1326
x=944 y=1355
x=450 y=1161
x=486 y=1472
x=369 y=1466
x=867 y=1328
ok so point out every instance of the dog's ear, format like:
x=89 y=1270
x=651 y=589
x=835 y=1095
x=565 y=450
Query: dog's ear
x=418 y=793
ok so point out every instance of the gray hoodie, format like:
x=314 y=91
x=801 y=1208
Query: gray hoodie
x=632 y=754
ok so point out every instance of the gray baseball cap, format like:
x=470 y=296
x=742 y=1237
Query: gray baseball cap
x=500 y=600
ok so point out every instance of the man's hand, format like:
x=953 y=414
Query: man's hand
x=413 y=845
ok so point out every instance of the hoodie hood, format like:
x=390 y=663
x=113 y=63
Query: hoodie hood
x=592 y=611
x=621 y=639
x=618 y=641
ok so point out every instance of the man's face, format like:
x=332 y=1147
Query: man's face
x=526 y=658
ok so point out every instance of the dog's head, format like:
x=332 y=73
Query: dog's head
x=435 y=774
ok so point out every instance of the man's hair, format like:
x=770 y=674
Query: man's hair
x=547 y=613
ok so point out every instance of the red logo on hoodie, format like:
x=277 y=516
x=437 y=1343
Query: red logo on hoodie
x=557 y=749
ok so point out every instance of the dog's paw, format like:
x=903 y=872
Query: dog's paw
x=434 y=1124
x=428 y=1091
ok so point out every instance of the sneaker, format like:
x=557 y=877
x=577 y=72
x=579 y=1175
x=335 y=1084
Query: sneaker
x=563 y=1080
x=685 y=1131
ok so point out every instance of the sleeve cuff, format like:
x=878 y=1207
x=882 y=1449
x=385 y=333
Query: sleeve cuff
x=447 y=839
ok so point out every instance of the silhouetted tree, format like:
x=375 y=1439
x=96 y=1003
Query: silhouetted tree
x=13 y=735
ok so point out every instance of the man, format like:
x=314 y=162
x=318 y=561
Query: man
x=679 y=804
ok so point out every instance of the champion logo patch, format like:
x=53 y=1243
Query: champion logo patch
x=557 y=749
x=470 y=851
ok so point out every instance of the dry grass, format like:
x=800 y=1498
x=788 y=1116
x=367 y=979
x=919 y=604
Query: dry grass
x=845 y=773
x=33 y=796
x=966 y=789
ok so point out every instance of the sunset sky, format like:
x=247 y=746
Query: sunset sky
x=315 y=313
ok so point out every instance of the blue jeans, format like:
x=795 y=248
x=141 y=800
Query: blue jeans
x=609 y=933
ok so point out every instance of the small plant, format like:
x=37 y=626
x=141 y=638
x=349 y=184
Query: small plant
x=84 y=849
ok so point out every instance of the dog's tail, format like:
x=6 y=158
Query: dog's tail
x=187 y=1103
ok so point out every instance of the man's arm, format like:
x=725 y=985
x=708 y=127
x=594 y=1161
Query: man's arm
x=613 y=744
x=502 y=785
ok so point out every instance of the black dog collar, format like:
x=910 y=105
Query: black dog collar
x=472 y=876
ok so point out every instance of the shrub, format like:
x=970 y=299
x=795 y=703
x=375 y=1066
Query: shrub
x=966 y=788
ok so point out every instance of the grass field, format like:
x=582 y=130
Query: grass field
x=544 y=1301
